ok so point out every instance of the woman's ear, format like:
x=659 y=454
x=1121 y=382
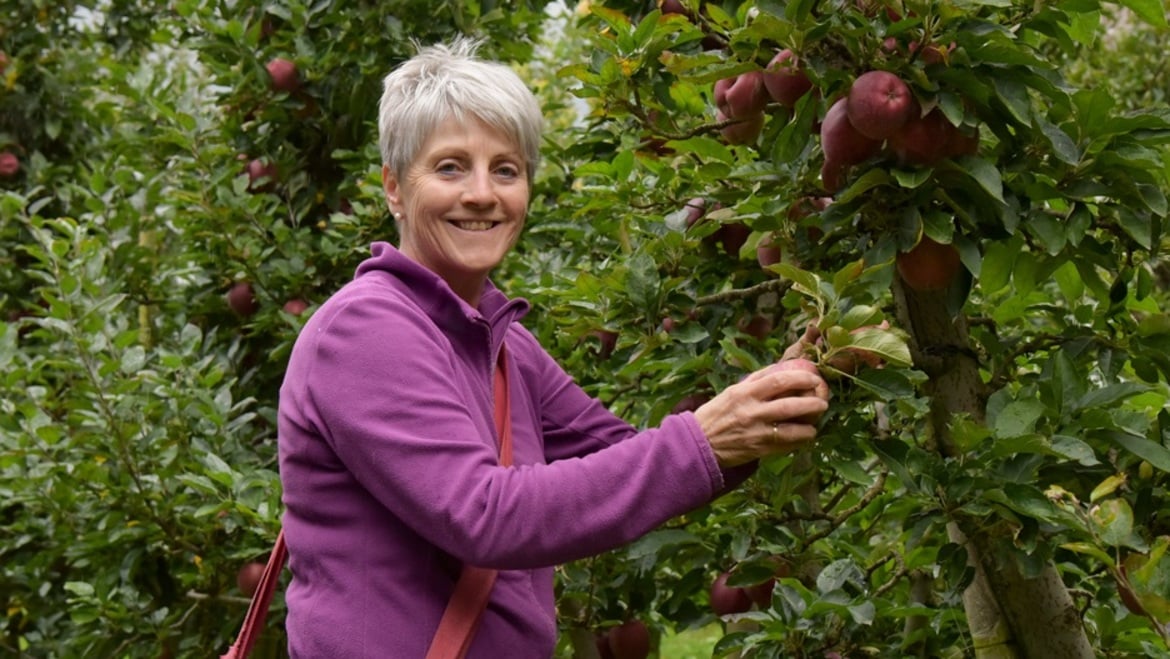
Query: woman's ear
x=390 y=188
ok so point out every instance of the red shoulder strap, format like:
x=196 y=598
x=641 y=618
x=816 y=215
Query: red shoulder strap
x=261 y=600
x=474 y=588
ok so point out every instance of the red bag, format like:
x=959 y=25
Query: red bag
x=472 y=591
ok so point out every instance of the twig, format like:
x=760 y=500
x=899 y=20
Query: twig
x=866 y=499
x=778 y=285
x=195 y=595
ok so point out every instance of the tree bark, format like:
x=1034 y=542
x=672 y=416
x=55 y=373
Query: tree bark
x=1009 y=615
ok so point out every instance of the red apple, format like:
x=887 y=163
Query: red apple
x=695 y=209
x=668 y=324
x=9 y=164
x=733 y=236
x=261 y=175
x=726 y=600
x=630 y=640
x=296 y=306
x=769 y=252
x=878 y=104
x=741 y=96
x=672 y=7
x=805 y=206
x=242 y=299
x=963 y=143
x=755 y=326
x=601 y=640
x=785 y=81
x=248 y=577
x=933 y=53
x=929 y=266
x=841 y=142
x=832 y=176
x=283 y=75
x=761 y=593
x=607 y=341
x=923 y=141
x=744 y=130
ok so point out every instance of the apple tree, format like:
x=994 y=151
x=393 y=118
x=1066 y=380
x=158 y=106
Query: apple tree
x=970 y=219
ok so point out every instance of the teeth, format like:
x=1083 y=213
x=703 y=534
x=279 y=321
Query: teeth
x=474 y=226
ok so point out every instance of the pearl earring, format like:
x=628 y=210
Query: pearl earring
x=398 y=215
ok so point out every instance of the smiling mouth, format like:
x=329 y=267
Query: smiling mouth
x=473 y=225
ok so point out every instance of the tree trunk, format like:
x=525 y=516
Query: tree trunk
x=1009 y=614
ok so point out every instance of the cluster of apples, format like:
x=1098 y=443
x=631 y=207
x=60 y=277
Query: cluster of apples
x=880 y=111
x=283 y=78
x=741 y=101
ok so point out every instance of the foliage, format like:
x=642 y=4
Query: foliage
x=1058 y=219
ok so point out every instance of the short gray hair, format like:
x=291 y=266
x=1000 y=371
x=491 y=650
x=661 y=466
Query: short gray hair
x=445 y=81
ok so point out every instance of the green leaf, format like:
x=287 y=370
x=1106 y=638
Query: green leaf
x=802 y=280
x=1150 y=577
x=1138 y=226
x=1028 y=501
x=1114 y=520
x=79 y=588
x=1014 y=96
x=1151 y=11
x=839 y=573
x=998 y=261
x=1152 y=452
x=1107 y=487
x=890 y=345
x=1018 y=418
x=885 y=384
x=1090 y=550
x=653 y=543
x=863 y=613
x=1063 y=146
x=1074 y=449
x=1109 y=395
x=643 y=282
x=984 y=173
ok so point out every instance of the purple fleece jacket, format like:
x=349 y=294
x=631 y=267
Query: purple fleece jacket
x=391 y=481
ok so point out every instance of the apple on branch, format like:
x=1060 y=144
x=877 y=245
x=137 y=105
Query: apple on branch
x=242 y=299
x=9 y=164
x=929 y=266
x=629 y=640
x=283 y=75
x=878 y=103
x=784 y=79
x=728 y=600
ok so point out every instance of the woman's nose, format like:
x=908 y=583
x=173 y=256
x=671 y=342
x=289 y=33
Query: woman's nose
x=479 y=191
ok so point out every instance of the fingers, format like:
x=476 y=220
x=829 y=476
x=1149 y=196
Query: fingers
x=803 y=344
x=793 y=409
x=770 y=383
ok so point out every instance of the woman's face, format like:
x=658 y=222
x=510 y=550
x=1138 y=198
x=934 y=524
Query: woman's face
x=463 y=202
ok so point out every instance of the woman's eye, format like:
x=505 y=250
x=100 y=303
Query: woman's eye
x=509 y=171
x=447 y=168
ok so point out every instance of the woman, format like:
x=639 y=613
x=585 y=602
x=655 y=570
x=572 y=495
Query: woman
x=388 y=451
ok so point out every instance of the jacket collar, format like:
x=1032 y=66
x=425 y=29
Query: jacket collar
x=430 y=291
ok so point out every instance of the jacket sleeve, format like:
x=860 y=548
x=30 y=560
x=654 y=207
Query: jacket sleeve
x=576 y=424
x=380 y=389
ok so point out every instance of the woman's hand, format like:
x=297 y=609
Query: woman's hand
x=773 y=410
